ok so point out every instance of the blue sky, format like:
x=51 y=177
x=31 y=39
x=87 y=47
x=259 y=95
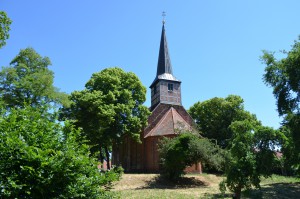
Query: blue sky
x=214 y=45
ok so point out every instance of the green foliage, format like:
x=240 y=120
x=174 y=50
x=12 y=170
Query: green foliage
x=241 y=170
x=214 y=116
x=184 y=150
x=291 y=145
x=283 y=76
x=4 y=28
x=110 y=107
x=111 y=176
x=41 y=159
x=251 y=155
x=29 y=81
x=267 y=141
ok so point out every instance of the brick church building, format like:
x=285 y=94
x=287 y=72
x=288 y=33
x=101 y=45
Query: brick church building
x=167 y=116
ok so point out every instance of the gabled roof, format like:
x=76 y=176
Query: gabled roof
x=164 y=66
x=168 y=124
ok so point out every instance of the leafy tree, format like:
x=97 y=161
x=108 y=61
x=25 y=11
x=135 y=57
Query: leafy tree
x=4 y=28
x=214 y=116
x=290 y=145
x=283 y=76
x=39 y=158
x=29 y=81
x=110 y=107
x=187 y=149
x=251 y=155
x=266 y=143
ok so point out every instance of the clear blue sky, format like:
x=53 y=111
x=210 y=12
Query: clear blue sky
x=214 y=45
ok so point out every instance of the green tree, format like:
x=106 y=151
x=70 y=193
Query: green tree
x=4 y=28
x=109 y=108
x=187 y=149
x=29 y=81
x=283 y=75
x=290 y=159
x=290 y=145
x=40 y=158
x=214 y=116
x=251 y=155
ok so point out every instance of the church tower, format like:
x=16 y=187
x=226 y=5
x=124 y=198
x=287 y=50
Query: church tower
x=168 y=117
x=165 y=87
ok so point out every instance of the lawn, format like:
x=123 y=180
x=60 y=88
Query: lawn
x=200 y=186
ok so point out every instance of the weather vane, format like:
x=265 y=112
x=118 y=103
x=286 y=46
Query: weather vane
x=164 y=15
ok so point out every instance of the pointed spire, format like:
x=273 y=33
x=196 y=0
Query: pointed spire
x=164 y=67
x=164 y=61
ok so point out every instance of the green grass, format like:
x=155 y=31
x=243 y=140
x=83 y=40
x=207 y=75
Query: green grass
x=147 y=186
x=276 y=187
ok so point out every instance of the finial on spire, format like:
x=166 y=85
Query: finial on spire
x=164 y=15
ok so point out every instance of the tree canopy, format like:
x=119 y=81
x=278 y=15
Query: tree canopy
x=251 y=155
x=283 y=75
x=5 y=22
x=39 y=156
x=214 y=116
x=29 y=81
x=110 y=107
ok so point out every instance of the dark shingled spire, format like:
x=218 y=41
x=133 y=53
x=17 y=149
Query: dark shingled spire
x=164 y=67
x=164 y=61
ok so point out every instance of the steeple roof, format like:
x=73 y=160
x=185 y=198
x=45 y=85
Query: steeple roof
x=164 y=67
x=164 y=61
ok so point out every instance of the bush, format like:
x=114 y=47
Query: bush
x=39 y=158
x=184 y=150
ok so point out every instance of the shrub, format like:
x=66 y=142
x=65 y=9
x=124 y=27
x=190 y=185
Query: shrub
x=39 y=158
x=184 y=150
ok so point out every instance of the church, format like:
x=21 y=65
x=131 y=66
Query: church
x=167 y=117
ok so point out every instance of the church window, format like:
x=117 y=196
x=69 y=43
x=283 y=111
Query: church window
x=154 y=90
x=170 y=87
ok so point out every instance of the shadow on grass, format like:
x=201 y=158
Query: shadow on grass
x=183 y=182
x=272 y=191
x=276 y=190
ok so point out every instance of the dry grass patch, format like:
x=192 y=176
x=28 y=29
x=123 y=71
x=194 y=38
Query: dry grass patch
x=133 y=181
x=148 y=186
x=152 y=186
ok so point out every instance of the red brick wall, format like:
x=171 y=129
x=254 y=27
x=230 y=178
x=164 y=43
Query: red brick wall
x=195 y=168
x=129 y=155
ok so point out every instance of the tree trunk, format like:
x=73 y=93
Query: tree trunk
x=101 y=157
x=238 y=192
x=107 y=158
x=115 y=158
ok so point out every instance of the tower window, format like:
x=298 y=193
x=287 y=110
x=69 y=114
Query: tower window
x=154 y=90
x=170 y=87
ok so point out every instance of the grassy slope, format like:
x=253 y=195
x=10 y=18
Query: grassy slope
x=199 y=186
x=277 y=187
